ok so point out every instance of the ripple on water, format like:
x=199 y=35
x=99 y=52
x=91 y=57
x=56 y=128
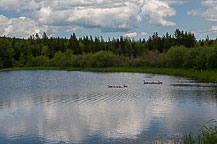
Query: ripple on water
x=78 y=107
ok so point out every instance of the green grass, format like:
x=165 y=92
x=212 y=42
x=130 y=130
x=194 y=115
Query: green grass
x=202 y=76
x=208 y=135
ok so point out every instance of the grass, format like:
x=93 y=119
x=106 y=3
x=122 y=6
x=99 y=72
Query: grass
x=208 y=135
x=209 y=76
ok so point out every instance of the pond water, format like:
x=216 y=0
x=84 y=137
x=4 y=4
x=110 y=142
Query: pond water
x=78 y=107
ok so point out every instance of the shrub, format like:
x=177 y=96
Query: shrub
x=155 y=59
x=57 y=59
x=85 y=60
x=103 y=59
x=138 y=62
x=200 y=59
x=212 y=57
x=63 y=59
x=189 y=58
x=175 y=56
x=39 y=61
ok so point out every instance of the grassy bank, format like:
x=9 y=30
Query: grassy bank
x=202 y=76
x=207 y=135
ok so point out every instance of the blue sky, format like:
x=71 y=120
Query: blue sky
x=107 y=18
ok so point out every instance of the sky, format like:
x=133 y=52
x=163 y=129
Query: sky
x=107 y=18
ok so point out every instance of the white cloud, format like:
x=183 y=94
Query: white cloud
x=214 y=28
x=133 y=34
x=18 y=5
x=143 y=34
x=157 y=11
x=211 y=10
x=108 y=15
x=201 y=34
x=195 y=12
x=21 y=27
x=209 y=13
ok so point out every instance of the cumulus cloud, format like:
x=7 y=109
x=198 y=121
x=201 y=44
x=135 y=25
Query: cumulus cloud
x=211 y=10
x=214 y=28
x=210 y=14
x=195 y=12
x=113 y=18
x=143 y=34
x=157 y=11
x=18 y=5
x=133 y=34
x=108 y=15
x=19 y=27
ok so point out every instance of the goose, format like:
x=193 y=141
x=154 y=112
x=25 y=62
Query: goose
x=110 y=86
x=159 y=82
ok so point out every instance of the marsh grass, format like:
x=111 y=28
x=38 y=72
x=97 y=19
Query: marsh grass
x=208 y=134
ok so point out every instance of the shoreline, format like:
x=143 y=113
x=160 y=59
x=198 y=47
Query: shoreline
x=208 y=76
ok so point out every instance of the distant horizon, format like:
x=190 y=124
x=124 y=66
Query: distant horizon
x=107 y=18
x=107 y=38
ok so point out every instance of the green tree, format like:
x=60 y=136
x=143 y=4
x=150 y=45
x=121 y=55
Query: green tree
x=6 y=54
x=45 y=51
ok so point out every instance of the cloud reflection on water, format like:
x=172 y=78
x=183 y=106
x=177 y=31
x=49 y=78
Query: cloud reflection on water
x=107 y=113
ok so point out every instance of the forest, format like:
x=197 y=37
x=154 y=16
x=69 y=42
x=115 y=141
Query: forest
x=178 y=50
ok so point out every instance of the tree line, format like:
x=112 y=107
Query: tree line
x=180 y=49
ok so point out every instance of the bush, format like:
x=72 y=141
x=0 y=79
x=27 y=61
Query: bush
x=39 y=61
x=85 y=60
x=58 y=59
x=189 y=58
x=103 y=59
x=212 y=57
x=175 y=56
x=138 y=62
x=200 y=59
x=63 y=59
x=76 y=61
x=155 y=59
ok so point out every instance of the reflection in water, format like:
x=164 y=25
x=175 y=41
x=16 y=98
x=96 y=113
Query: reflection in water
x=77 y=107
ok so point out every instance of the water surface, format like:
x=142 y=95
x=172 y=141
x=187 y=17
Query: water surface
x=78 y=107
